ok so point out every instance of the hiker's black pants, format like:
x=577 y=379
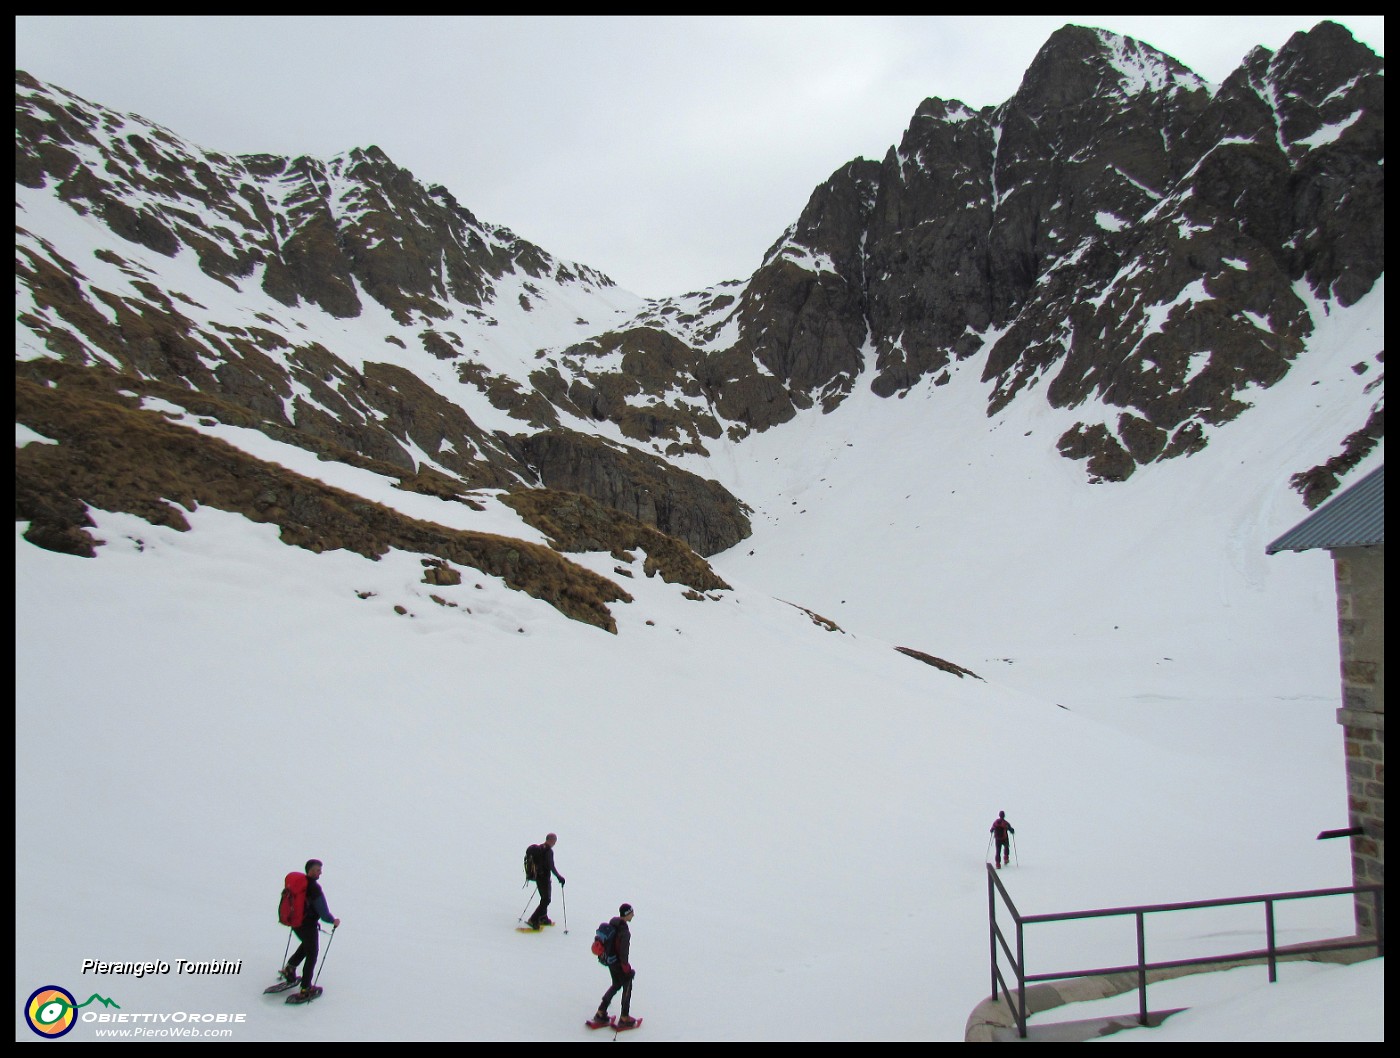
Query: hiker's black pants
x=540 y=915
x=620 y=980
x=310 y=936
x=1003 y=850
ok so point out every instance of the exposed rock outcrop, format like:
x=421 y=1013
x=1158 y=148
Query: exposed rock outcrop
x=700 y=512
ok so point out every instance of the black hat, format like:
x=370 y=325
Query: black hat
x=625 y=909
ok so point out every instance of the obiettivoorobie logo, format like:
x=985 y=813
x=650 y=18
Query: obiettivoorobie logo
x=52 y=1011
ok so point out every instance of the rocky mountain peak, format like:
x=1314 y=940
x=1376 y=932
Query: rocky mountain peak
x=1078 y=65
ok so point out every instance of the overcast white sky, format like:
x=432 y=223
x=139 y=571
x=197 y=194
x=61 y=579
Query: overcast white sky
x=668 y=152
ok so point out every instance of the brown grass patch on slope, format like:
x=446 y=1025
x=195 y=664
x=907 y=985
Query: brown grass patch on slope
x=117 y=457
x=938 y=663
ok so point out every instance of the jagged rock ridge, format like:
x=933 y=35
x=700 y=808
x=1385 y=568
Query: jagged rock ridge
x=1115 y=229
x=1118 y=238
x=355 y=238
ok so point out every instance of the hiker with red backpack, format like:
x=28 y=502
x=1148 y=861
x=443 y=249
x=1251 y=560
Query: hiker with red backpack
x=1002 y=831
x=539 y=865
x=614 y=938
x=312 y=911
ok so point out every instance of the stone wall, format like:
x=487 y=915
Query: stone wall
x=1361 y=629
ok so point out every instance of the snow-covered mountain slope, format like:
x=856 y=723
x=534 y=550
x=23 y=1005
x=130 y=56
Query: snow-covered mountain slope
x=798 y=813
x=880 y=517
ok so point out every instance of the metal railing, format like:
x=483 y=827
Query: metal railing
x=1270 y=953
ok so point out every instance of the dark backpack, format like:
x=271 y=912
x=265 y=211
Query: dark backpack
x=291 y=908
x=530 y=863
x=603 y=943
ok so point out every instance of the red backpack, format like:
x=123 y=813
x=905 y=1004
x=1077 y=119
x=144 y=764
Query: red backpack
x=291 y=909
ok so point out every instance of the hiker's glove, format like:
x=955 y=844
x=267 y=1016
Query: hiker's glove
x=561 y=881
x=628 y=971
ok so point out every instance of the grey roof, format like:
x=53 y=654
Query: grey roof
x=1355 y=518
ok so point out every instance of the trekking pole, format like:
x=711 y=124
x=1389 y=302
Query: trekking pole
x=1015 y=850
x=565 y=901
x=521 y=916
x=324 y=957
x=989 y=847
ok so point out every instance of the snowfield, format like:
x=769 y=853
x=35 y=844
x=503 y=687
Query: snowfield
x=798 y=814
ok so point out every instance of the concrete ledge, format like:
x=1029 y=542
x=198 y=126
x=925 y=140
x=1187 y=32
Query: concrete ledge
x=1366 y=718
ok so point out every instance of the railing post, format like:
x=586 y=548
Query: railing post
x=1380 y=922
x=1142 y=970
x=1269 y=938
x=992 y=919
x=1021 y=971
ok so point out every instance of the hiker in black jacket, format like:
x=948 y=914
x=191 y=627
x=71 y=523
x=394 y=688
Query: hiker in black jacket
x=542 y=861
x=620 y=967
x=1002 y=831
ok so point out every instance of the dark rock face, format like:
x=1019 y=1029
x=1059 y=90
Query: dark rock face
x=802 y=316
x=929 y=246
x=1137 y=238
x=1107 y=459
x=573 y=522
x=700 y=512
